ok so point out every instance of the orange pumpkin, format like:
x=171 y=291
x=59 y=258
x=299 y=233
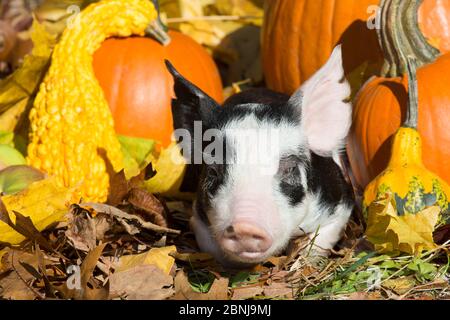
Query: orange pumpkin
x=380 y=106
x=138 y=87
x=299 y=36
x=434 y=21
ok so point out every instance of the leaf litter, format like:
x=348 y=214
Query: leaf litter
x=143 y=249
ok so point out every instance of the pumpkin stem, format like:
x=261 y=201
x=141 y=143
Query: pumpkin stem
x=400 y=37
x=158 y=29
x=412 y=110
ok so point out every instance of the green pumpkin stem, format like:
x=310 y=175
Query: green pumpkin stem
x=158 y=30
x=400 y=37
x=412 y=109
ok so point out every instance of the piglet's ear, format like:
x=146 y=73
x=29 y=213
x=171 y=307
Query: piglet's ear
x=325 y=114
x=191 y=103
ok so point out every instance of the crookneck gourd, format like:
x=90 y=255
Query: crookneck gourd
x=72 y=129
x=413 y=186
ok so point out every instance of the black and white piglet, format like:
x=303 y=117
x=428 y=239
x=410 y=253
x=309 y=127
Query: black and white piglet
x=248 y=207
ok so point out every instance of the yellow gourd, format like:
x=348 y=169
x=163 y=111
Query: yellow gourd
x=413 y=186
x=70 y=120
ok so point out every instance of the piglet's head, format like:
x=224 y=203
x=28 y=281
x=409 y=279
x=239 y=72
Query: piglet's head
x=254 y=157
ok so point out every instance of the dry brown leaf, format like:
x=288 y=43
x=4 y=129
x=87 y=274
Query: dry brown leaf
x=193 y=257
x=81 y=230
x=124 y=218
x=103 y=224
x=278 y=290
x=146 y=201
x=86 y=270
x=442 y=234
x=141 y=282
x=246 y=292
x=118 y=186
x=183 y=289
x=17 y=284
x=364 y=296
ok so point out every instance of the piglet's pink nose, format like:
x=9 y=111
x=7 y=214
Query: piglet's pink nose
x=246 y=239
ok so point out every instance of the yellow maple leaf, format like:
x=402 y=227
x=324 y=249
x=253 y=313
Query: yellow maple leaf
x=44 y=201
x=170 y=167
x=409 y=233
x=156 y=256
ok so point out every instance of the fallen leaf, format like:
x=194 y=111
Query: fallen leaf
x=399 y=285
x=158 y=257
x=124 y=218
x=409 y=233
x=2 y=263
x=86 y=270
x=283 y=275
x=246 y=292
x=191 y=18
x=44 y=202
x=194 y=259
x=364 y=296
x=54 y=14
x=279 y=289
x=17 y=90
x=136 y=153
x=17 y=284
x=118 y=187
x=442 y=234
x=239 y=8
x=170 y=167
x=25 y=227
x=183 y=289
x=276 y=261
x=144 y=200
x=48 y=287
x=14 y=179
x=103 y=223
x=10 y=156
x=141 y=282
x=81 y=230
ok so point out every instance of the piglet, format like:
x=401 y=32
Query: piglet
x=268 y=165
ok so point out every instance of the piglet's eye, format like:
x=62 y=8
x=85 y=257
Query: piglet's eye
x=289 y=170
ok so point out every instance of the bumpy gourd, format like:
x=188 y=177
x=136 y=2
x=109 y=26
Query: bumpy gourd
x=414 y=187
x=71 y=123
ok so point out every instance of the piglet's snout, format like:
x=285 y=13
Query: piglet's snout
x=246 y=239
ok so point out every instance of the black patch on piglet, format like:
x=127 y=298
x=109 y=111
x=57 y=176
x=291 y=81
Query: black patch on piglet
x=295 y=193
x=326 y=178
x=270 y=106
